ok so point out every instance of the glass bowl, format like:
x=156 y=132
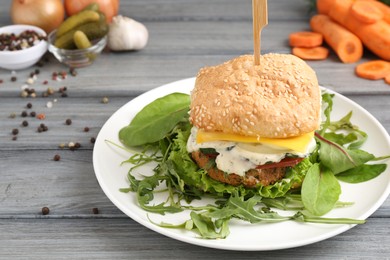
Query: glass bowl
x=79 y=57
x=24 y=58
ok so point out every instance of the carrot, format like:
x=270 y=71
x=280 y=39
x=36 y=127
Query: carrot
x=347 y=46
x=375 y=36
x=387 y=79
x=305 y=39
x=366 y=12
x=340 y=11
x=315 y=53
x=324 y=6
x=376 y=69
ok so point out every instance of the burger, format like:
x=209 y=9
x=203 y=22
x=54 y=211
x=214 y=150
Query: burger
x=252 y=126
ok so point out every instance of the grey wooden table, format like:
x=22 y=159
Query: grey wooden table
x=185 y=35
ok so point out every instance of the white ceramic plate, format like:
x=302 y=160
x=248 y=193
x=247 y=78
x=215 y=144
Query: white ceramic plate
x=243 y=236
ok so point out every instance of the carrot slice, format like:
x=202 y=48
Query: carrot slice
x=384 y=8
x=315 y=53
x=305 y=39
x=376 y=69
x=387 y=79
x=366 y=12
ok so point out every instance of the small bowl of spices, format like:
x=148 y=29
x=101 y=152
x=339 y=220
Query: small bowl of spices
x=21 y=46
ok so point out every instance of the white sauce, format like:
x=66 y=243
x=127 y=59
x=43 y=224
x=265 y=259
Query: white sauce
x=238 y=158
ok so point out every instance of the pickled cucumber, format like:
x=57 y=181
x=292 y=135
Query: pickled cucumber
x=76 y=20
x=92 y=30
x=81 y=40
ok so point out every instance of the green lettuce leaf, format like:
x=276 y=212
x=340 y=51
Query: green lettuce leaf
x=190 y=173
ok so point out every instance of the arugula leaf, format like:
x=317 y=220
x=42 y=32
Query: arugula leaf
x=340 y=138
x=328 y=100
x=237 y=207
x=205 y=226
x=320 y=190
x=288 y=202
x=155 y=120
x=346 y=125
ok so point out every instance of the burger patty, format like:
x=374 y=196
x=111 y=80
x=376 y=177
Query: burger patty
x=251 y=179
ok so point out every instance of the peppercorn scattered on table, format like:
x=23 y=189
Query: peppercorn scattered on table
x=51 y=204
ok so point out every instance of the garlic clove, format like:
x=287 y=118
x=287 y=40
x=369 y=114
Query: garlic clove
x=127 y=34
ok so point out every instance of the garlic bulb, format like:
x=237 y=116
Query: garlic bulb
x=126 y=34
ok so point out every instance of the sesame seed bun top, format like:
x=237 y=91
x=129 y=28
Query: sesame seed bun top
x=278 y=99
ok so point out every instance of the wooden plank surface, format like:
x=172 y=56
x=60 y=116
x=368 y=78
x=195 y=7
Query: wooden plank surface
x=185 y=35
x=97 y=238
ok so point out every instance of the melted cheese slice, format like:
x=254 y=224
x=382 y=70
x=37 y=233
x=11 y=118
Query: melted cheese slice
x=298 y=143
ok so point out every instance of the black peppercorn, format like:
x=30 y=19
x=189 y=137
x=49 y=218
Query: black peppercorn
x=29 y=105
x=68 y=121
x=45 y=210
x=24 y=123
x=86 y=129
x=92 y=140
x=24 y=114
x=33 y=114
x=95 y=211
x=42 y=128
x=14 y=78
x=56 y=157
x=15 y=131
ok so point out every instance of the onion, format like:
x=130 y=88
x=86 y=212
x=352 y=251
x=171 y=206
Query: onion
x=108 y=7
x=46 y=14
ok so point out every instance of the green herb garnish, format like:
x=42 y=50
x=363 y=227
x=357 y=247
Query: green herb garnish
x=163 y=128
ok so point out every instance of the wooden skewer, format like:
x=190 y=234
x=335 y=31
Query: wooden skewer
x=260 y=19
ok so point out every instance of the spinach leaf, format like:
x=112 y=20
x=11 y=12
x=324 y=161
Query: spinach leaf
x=362 y=173
x=320 y=190
x=334 y=156
x=338 y=159
x=155 y=120
x=360 y=157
